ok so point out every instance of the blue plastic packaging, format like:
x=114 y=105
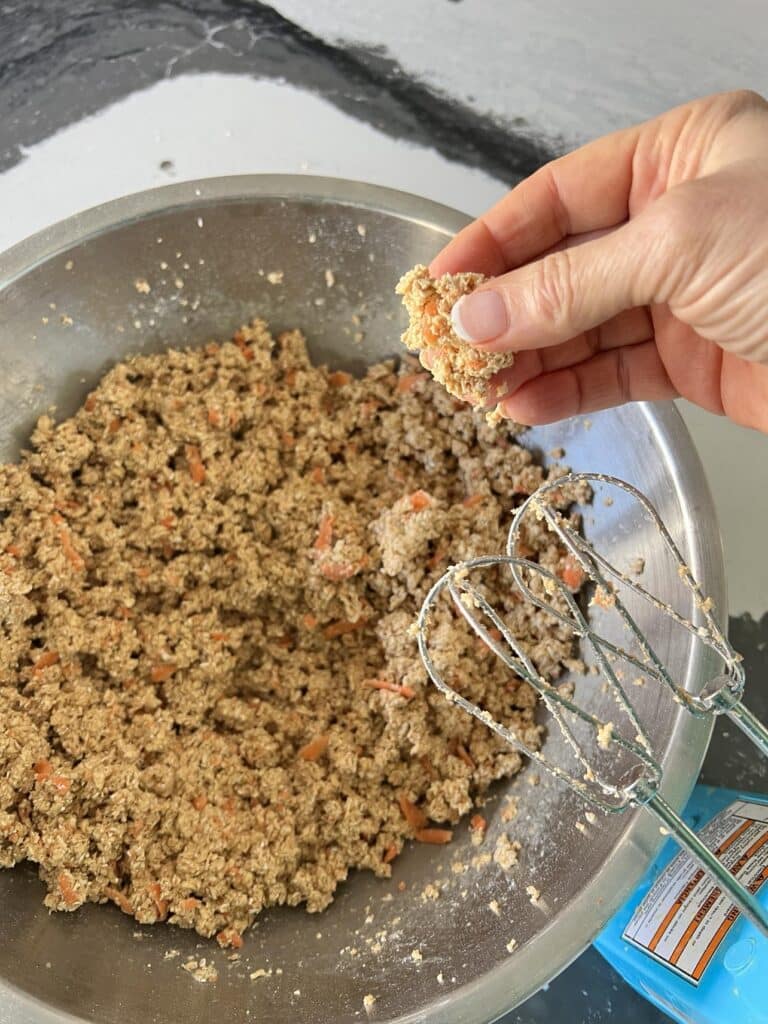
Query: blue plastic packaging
x=733 y=985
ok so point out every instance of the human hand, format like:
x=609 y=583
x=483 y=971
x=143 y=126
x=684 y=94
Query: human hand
x=635 y=268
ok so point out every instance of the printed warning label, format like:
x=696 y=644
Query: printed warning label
x=685 y=916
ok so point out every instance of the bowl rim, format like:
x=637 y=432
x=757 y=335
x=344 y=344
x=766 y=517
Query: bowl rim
x=493 y=994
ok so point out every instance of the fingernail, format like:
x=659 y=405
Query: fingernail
x=480 y=316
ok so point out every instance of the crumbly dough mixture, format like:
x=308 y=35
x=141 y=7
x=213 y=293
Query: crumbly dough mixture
x=210 y=699
x=462 y=369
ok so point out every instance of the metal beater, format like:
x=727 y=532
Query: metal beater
x=614 y=764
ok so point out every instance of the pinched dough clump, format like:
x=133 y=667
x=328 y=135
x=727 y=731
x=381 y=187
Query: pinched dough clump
x=464 y=370
x=210 y=698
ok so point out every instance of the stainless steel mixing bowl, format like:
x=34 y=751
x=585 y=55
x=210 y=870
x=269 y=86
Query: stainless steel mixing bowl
x=68 y=309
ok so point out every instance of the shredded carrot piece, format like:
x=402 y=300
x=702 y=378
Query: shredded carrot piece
x=289 y=440
x=214 y=417
x=408 y=381
x=168 y=522
x=143 y=571
x=284 y=642
x=420 y=500
x=309 y=621
x=15 y=550
x=314 y=749
x=229 y=938
x=212 y=348
x=473 y=499
x=478 y=823
x=339 y=379
x=160 y=673
x=390 y=853
x=70 y=553
x=60 y=784
x=367 y=409
x=43 y=770
x=220 y=637
x=196 y=467
x=114 y=425
x=463 y=755
x=415 y=817
x=119 y=899
x=46 y=660
x=200 y=802
x=384 y=684
x=434 y=560
x=324 y=534
x=90 y=403
x=342 y=627
x=161 y=905
x=317 y=475
x=435 y=836
x=67 y=889
x=290 y=378
x=571 y=573
x=188 y=905
x=336 y=573
x=430 y=335
x=430 y=307
x=239 y=340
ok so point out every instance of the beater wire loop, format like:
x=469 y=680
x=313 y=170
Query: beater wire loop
x=623 y=771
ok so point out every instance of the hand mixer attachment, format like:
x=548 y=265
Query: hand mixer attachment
x=612 y=762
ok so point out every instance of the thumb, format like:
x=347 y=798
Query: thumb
x=564 y=293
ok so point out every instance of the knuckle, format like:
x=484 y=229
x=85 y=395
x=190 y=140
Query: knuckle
x=740 y=100
x=678 y=217
x=553 y=288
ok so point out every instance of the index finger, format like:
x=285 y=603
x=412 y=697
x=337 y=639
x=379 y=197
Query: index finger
x=586 y=190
